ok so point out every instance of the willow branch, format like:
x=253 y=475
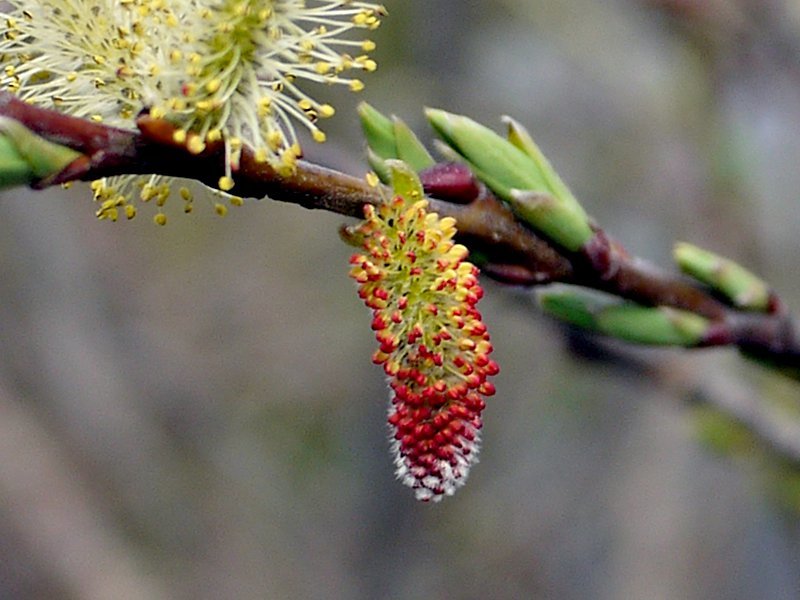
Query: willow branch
x=510 y=251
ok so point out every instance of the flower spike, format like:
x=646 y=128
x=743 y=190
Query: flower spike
x=433 y=344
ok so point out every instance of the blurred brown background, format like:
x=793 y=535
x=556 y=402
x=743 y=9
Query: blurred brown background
x=191 y=412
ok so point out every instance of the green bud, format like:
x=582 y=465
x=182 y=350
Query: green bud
x=409 y=148
x=503 y=165
x=44 y=158
x=662 y=326
x=389 y=139
x=520 y=137
x=615 y=317
x=378 y=131
x=378 y=165
x=740 y=286
x=574 y=305
x=14 y=170
x=518 y=172
x=405 y=181
x=556 y=220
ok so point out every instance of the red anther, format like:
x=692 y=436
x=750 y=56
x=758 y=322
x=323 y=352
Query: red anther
x=424 y=430
x=445 y=453
x=388 y=346
x=478 y=329
x=400 y=391
x=440 y=420
x=437 y=400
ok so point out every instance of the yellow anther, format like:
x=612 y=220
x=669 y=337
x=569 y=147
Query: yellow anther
x=225 y=183
x=195 y=145
x=275 y=139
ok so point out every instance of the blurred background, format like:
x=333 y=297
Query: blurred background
x=191 y=411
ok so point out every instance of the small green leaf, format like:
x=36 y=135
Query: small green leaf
x=574 y=305
x=661 y=326
x=409 y=148
x=378 y=131
x=740 y=286
x=378 y=165
x=44 y=158
x=505 y=166
x=556 y=220
x=405 y=181
x=523 y=140
x=615 y=317
x=14 y=170
x=518 y=172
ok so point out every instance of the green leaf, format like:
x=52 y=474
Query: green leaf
x=661 y=326
x=518 y=172
x=615 y=317
x=378 y=165
x=520 y=138
x=14 y=170
x=502 y=163
x=405 y=181
x=378 y=131
x=574 y=305
x=44 y=158
x=410 y=149
x=557 y=221
x=740 y=286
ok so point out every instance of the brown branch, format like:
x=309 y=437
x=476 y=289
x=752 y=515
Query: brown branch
x=509 y=251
